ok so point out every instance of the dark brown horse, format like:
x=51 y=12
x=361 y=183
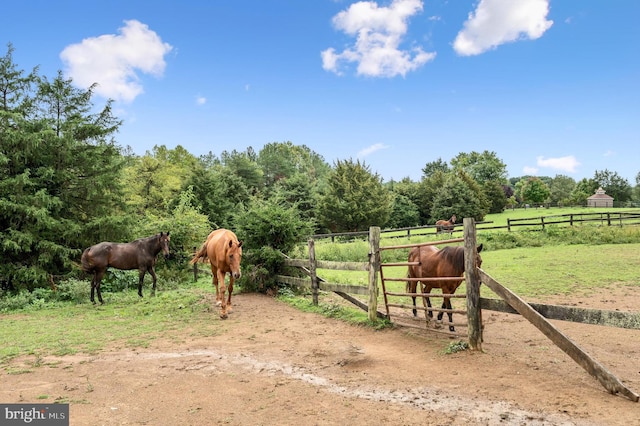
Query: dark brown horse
x=446 y=225
x=435 y=263
x=139 y=254
x=224 y=252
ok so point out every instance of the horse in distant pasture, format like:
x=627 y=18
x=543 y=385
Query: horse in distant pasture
x=139 y=254
x=446 y=225
x=223 y=250
x=434 y=263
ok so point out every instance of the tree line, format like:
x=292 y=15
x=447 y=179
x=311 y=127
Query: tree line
x=66 y=184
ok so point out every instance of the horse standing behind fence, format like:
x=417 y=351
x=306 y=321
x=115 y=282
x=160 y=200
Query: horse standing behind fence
x=224 y=252
x=139 y=254
x=434 y=263
x=446 y=225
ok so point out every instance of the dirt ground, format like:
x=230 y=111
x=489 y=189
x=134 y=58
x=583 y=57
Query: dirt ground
x=270 y=364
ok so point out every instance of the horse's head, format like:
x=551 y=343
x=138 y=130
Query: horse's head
x=234 y=256
x=164 y=243
x=478 y=257
x=453 y=219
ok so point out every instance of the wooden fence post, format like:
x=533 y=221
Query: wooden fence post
x=472 y=280
x=312 y=271
x=374 y=266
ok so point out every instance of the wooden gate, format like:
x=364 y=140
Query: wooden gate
x=395 y=310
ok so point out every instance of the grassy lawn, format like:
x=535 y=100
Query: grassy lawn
x=125 y=320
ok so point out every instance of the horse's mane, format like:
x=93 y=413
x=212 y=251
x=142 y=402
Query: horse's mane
x=454 y=255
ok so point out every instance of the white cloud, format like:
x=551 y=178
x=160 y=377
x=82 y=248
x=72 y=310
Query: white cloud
x=201 y=100
x=566 y=164
x=371 y=149
x=495 y=22
x=115 y=61
x=529 y=171
x=378 y=32
x=609 y=153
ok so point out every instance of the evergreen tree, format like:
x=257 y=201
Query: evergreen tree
x=425 y=195
x=219 y=193
x=59 y=187
x=460 y=195
x=355 y=199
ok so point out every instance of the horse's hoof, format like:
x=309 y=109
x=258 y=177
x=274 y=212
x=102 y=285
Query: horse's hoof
x=224 y=316
x=218 y=303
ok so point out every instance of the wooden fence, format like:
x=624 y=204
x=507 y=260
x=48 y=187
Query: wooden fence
x=572 y=219
x=537 y=314
x=537 y=222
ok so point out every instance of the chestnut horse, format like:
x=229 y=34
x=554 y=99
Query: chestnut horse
x=224 y=252
x=139 y=254
x=433 y=263
x=446 y=225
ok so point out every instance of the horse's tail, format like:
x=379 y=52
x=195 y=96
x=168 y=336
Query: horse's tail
x=85 y=264
x=200 y=255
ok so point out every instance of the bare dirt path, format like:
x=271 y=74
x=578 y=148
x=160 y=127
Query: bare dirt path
x=270 y=364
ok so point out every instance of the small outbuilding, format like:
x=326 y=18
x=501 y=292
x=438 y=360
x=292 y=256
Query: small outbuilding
x=600 y=199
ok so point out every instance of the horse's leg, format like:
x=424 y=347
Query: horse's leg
x=141 y=273
x=93 y=288
x=152 y=272
x=230 y=289
x=427 y=289
x=223 y=290
x=450 y=315
x=412 y=289
x=98 y=280
x=214 y=280
x=446 y=304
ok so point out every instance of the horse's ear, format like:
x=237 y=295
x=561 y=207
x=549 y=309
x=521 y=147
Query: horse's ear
x=230 y=243
x=239 y=243
x=479 y=248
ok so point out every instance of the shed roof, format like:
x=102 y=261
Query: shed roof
x=600 y=195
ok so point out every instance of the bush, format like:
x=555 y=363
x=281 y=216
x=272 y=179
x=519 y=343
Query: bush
x=73 y=290
x=268 y=230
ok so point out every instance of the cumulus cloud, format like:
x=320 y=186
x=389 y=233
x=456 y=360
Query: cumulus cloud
x=530 y=171
x=115 y=61
x=496 y=22
x=371 y=149
x=566 y=164
x=201 y=100
x=378 y=32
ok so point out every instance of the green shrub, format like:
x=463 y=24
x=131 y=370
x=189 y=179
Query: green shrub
x=267 y=229
x=73 y=290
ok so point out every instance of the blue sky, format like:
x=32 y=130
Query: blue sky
x=552 y=87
